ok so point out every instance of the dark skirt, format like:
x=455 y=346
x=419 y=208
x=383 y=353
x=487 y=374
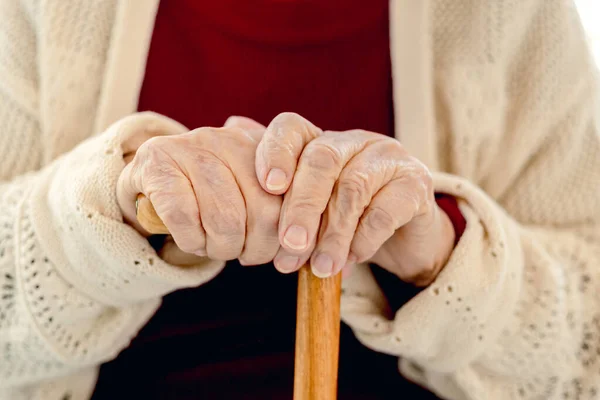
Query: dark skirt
x=233 y=338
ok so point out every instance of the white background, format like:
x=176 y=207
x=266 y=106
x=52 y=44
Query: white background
x=590 y=16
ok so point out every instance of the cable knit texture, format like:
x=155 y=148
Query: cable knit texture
x=515 y=314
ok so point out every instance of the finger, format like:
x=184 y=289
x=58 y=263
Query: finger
x=363 y=176
x=261 y=243
x=134 y=131
x=287 y=262
x=171 y=193
x=347 y=270
x=154 y=174
x=178 y=209
x=262 y=209
x=279 y=150
x=223 y=213
x=172 y=254
x=318 y=170
x=391 y=208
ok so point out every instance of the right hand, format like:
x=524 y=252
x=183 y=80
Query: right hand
x=203 y=186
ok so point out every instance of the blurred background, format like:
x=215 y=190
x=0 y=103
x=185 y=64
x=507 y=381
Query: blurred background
x=590 y=15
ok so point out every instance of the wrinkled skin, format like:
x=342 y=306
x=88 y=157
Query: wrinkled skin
x=204 y=188
x=334 y=198
x=351 y=197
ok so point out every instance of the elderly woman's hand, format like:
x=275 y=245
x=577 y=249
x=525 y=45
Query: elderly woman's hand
x=351 y=197
x=204 y=188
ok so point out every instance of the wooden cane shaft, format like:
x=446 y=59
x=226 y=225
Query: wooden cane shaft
x=317 y=322
x=317 y=336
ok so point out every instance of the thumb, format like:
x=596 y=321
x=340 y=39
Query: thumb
x=280 y=148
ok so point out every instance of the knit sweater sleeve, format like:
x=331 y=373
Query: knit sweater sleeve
x=76 y=282
x=515 y=313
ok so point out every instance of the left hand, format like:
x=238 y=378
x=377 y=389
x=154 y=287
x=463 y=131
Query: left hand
x=351 y=197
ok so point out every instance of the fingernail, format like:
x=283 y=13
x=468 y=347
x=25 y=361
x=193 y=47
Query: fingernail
x=296 y=238
x=322 y=266
x=287 y=263
x=201 y=253
x=276 y=179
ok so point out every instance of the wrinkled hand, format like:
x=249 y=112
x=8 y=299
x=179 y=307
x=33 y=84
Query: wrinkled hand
x=351 y=197
x=203 y=186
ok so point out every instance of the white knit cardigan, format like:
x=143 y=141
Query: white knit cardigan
x=497 y=97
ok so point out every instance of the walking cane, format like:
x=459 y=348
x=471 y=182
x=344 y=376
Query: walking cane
x=317 y=322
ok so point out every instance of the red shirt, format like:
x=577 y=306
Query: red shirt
x=326 y=60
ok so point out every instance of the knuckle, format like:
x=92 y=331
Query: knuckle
x=422 y=174
x=416 y=180
x=201 y=133
x=354 y=190
x=152 y=148
x=230 y=133
x=176 y=217
x=332 y=239
x=378 y=219
x=205 y=139
x=236 y=121
x=305 y=205
x=286 y=117
x=224 y=251
x=155 y=164
x=422 y=187
x=208 y=172
x=212 y=138
x=321 y=157
x=396 y=146
x=282 y=125
x=392 y=148
x=228 y=140
x=210 y=169
x=287 y=123
x=415 y=169
x=164 y=184
x=358 y=132
x=228 y=224
x=261 y=252
x=428 y=186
